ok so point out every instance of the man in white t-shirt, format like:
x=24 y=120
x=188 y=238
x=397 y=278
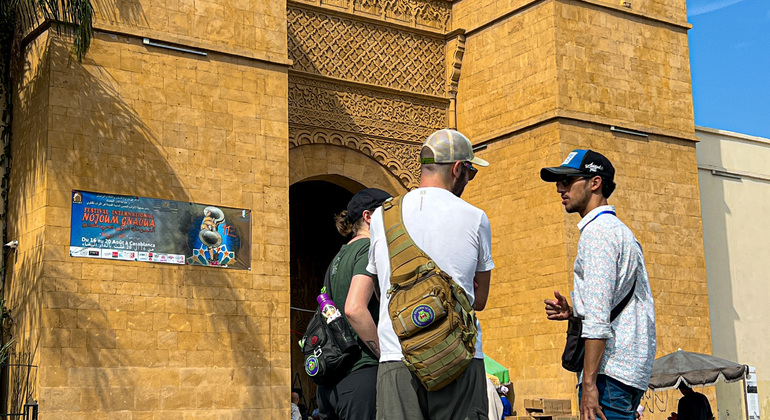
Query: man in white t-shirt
x=457 y=236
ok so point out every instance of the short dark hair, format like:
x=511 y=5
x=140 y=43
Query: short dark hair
x=608 y=187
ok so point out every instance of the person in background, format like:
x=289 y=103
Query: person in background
x=495 y=404
x=507 y=408
x=294 y=407
x=693 y=405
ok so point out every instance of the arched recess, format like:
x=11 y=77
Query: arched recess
x=342 y=166
x=322 y=178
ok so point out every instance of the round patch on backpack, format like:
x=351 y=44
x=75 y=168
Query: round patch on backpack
x=311 y=366
x=423 y=315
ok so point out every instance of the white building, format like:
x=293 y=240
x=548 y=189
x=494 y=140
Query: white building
x=734 y=175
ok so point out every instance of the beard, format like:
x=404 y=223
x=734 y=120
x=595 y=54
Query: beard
x=459 y=187
x=579 y=202
x=459 y=184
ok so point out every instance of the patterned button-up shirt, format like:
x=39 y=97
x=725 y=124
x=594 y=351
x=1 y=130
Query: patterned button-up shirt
x=609 y=260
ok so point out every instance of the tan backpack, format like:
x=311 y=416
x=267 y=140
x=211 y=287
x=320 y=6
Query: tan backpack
x=431 y=314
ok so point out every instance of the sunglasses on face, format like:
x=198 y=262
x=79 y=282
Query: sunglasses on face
x=471 y=170
x=566 y=182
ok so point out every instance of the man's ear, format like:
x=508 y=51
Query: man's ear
x=457 y=170
x=596 y=184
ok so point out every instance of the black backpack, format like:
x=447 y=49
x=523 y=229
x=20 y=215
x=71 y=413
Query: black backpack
x=330 y=349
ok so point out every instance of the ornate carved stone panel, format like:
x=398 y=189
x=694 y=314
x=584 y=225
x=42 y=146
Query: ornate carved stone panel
x=345 y=108
x=364 y=52
x=433 y=14
x=400 y=158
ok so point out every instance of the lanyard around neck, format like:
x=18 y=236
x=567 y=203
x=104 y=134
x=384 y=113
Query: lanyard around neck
x=597 y=216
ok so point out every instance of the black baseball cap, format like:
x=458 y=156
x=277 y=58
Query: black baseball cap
x=580 y=162
x=365 y=199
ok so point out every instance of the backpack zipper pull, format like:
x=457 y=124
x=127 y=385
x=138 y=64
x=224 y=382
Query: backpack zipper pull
x=392 y=289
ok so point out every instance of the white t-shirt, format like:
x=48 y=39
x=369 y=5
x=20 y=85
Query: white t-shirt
x=453 y=233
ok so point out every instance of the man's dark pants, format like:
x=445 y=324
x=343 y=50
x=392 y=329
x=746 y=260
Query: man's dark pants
x=353 y=398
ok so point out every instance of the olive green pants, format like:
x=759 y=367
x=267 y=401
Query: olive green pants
x=401 y=396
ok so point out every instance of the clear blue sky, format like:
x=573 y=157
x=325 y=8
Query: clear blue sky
x=730 y=64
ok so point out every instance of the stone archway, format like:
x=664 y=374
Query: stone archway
x=348 y=168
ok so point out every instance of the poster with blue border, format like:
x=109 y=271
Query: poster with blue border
x=131 y=228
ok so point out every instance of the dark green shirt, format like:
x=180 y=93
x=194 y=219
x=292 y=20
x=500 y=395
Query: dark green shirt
x=350 y=261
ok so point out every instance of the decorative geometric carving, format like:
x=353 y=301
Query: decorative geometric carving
x=365 y=111
x=433 y=14
x=401 y=159
x=358 y=51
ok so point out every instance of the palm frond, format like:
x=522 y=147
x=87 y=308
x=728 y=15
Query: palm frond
x=73 y=16
x=5 y=351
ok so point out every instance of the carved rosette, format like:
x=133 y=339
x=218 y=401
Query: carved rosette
x=359 y=51
x=401 y=159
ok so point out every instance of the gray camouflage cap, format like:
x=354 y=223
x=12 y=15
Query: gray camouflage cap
x=449 y=146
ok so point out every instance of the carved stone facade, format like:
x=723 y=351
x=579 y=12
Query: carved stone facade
x=379 y=88
x=397 y=157
x=359 y=110
x=433 y=14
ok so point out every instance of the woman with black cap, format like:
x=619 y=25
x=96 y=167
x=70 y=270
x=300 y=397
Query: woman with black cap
x=353 y=290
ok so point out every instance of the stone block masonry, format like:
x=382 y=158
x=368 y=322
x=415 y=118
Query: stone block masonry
x=151 y=341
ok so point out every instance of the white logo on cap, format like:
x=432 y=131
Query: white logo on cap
x=569 y=158
x=594 y=167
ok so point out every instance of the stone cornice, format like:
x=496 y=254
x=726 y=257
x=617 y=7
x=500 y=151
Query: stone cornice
x=682 y=25
x=556 y=115
x=364 y=85
x=192 y=43
x=340 y=12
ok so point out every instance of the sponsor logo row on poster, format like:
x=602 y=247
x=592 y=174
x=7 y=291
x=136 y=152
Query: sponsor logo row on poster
x=117 y=254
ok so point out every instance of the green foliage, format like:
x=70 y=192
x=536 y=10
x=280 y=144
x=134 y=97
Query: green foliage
x=74 y=16
x=5 y=320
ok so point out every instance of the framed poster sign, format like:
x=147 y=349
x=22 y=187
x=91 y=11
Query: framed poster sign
x=121 y=227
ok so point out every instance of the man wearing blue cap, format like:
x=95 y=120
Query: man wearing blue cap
x=611 y=294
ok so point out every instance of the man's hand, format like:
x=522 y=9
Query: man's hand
x=557 y=309
x=589 y=404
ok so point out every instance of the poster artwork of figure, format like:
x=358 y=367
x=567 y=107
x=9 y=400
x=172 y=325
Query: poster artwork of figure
x=213 y=244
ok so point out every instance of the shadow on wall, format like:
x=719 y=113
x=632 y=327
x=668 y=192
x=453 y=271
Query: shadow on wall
x=110 y=336
x=720 y=271
x=128 y=12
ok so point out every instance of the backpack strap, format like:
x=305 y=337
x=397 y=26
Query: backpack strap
x=327 y=287
x=402 y=250
x=622 y=305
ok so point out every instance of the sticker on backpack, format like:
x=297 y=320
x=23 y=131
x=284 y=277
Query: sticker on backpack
x=423 y=315
x=311 y=366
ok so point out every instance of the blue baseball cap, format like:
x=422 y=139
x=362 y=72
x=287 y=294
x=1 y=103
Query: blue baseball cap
x=580 y=162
